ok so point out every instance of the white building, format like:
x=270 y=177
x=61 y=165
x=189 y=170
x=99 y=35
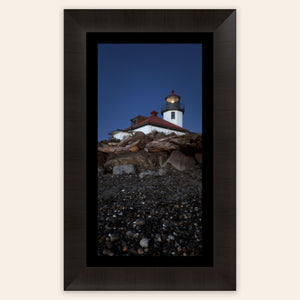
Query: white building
x=172 y=112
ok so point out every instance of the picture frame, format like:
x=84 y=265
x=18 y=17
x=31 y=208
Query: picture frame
x=221 y=275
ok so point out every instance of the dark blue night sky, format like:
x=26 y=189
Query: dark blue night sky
x=134 y=79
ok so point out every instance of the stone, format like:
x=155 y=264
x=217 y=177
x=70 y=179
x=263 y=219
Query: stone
x=134 y=148
x=125 y=141
x=144 y=242
x=138 y=135
x=146 y=173
x=101 y=158
x=100 y=170
x=107 y=195
x=123 y=169
x=160 y=146
x=180 y=161
x=141 y=160
x=158 y=136
x=108 y=252
x=152 y=134
x=129 y=234
x=158 y=237
x=108 y=244
x=107 y=149
x=139 y=222
x=161 y=172
x=132 y=251
x=198 y=157
x=114 y=237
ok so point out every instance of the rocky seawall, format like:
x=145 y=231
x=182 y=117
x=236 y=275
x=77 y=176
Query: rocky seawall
x=150 y=195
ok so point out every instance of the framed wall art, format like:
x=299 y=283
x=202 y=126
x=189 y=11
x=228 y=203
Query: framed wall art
x=149 y=151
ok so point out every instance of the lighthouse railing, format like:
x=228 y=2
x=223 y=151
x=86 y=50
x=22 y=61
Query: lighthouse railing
x=171 y=106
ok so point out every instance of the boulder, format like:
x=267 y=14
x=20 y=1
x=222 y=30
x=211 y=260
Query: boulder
x=138 y=135
x=108 y=149
x=100 y=170
x=108 y=195
x=189 y=143
x=125 y=141
x=141 y=160
x=134 y=148
x=198 y=157
x=161 y=146
x=101 y=158
x=123 y=169
x=147 y=173
x=180 y=161
x=152 y=134
x=158 y=136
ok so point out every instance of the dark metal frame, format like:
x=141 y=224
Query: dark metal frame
x=222 y=276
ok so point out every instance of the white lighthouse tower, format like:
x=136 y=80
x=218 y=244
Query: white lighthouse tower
x=173 y=110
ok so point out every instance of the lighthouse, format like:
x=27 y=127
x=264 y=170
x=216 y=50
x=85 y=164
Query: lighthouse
x=173 y=110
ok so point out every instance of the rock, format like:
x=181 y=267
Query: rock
x=146 y=173
x=144 y=242
x=158 y=136
x=141 y=160
x=189 y=143
x=100 y=170
x=108 y=244
x=161 y=146
x=114 y=237
x=132 y=251
x=198 y=157
x=139 y=222
x=108 y=149
x=158 y=237
x=108 y=252
x=107 y=195
x=180 y=161
x=129 y=234
x=134 y=149
x=101 y=158
x=152 y=134
x=161 y=172
x=138 y=135
x=125 y=141
x=123 y=169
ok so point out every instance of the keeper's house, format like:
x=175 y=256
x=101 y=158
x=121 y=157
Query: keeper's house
x=172 y=112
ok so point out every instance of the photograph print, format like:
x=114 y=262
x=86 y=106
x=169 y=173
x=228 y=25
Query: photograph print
x=149 y=149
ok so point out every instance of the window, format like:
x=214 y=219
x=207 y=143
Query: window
x=173 y=115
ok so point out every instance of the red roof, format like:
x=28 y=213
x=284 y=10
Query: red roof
x=156 y=121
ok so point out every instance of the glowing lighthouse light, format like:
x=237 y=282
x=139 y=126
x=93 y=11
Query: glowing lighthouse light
x=172 y=98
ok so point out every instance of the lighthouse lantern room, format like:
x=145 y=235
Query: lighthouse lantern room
x=173 y=110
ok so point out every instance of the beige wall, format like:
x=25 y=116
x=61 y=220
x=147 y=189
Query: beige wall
x=31 y=160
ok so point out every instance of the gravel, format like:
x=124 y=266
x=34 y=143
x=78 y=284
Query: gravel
x=150 y=216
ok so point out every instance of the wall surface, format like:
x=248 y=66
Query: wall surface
x=178 y=117
x=268 y=147
x=148 y=128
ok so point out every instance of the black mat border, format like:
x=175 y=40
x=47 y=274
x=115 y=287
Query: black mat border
x=93 y=39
